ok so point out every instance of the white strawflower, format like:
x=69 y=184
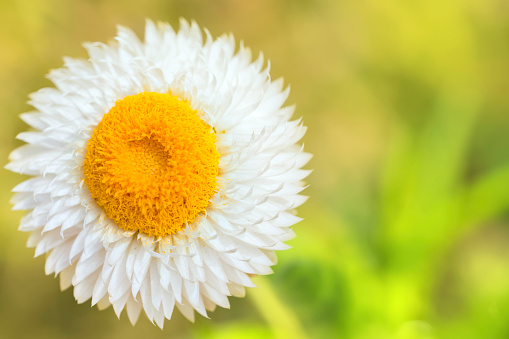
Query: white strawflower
x=165 y=172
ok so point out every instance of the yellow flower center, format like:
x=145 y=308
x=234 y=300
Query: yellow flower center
x=152 y=164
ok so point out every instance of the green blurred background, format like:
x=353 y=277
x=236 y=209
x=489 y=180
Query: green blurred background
x=406 y=233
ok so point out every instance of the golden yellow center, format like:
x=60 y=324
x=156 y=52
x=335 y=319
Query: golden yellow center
x=152 y=164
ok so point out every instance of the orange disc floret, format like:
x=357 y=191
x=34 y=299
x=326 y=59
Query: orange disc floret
x=152 y=164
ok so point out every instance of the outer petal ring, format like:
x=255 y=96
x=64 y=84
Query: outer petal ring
x=248 y=219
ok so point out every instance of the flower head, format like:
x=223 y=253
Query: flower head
x=165 y=172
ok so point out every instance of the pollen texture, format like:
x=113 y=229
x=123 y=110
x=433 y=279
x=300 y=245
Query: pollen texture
x=152 y=164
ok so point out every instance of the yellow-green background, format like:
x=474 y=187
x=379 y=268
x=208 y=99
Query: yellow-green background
x=406 y=232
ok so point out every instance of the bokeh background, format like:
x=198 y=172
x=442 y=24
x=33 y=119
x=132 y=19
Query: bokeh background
x=406 y=232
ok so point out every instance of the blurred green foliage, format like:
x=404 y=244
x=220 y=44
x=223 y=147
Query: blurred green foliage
x=406 y=233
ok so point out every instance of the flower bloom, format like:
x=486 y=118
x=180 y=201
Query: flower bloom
x=165 y=173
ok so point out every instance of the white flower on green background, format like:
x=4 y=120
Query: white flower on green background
x=165 y=172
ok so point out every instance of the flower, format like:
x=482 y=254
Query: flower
x=165 y=172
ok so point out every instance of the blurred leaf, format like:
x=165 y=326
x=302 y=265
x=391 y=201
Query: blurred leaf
x=487 y=198
x=280 y=317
